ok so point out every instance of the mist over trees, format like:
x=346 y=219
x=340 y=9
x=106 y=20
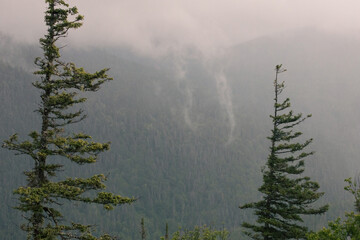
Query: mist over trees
x=169 y=128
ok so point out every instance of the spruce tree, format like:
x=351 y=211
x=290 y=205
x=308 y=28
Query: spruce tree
x=166 y=232
x=142 y=229
x=59 y=85
x=287 y=195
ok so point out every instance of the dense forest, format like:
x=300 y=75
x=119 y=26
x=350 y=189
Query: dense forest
x=188 y=135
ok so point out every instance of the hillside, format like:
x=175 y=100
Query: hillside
x=188 y=135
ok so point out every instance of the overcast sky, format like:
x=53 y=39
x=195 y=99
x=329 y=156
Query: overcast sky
x=161 y=25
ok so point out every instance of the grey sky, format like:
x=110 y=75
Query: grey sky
x=158 y=26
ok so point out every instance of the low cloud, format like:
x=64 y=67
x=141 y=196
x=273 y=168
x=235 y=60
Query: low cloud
x=159 y=26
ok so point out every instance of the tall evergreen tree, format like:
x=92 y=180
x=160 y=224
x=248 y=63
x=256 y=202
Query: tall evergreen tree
x=286 y=194
x=142 y=229
x=166 y=232
x=59 y=86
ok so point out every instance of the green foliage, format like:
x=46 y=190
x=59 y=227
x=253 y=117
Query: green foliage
x=286 y=194
x=200 y=233
x=339 y=230
x=347 y=229
x=353 y=187
x=59 y=87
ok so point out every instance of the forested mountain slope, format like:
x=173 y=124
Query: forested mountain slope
x=189 y=135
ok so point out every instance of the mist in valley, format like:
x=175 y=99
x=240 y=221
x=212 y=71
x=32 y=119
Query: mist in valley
x=188 y=111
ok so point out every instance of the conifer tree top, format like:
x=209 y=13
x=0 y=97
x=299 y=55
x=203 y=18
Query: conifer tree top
x=287 y=194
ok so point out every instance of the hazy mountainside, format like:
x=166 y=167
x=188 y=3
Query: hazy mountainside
x=189 y=136
x=322 y=79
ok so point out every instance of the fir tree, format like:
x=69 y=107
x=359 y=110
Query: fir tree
x=142 y=229
x=59 y=86
x=166 y=232
x=286 y=194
